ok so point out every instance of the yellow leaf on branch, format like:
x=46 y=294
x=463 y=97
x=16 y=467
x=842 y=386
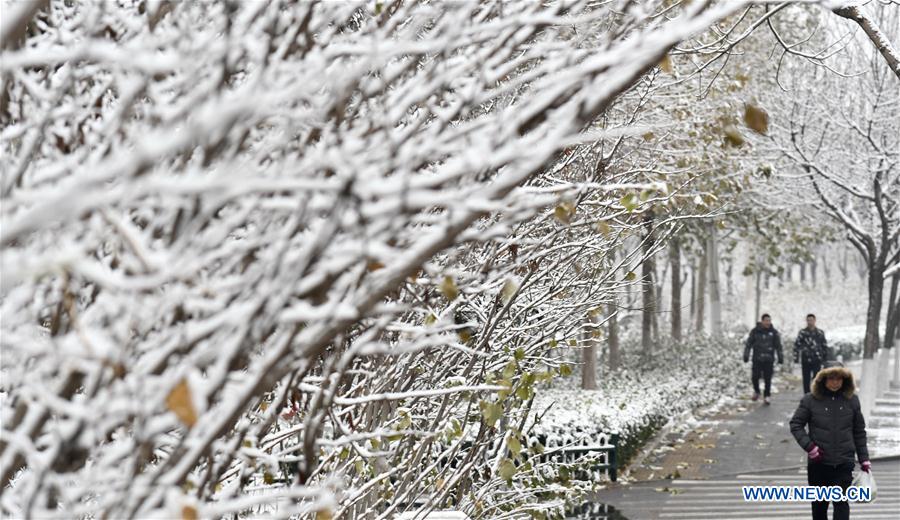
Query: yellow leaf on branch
x=733 y=136
x=448 y=288
x=756 y=119
x=665 y=64
x=189 y=513
x=179 y=402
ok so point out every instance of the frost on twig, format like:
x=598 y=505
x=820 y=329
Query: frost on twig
x=246 y=245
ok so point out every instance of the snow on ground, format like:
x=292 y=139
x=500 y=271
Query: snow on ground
x=848 y=334
x=883 y=418
x=636 y=404
x=839 y=306
x=665 y=392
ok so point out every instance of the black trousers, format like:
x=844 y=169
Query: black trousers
x=827 y=475
x=762 y=369
x=809 y=369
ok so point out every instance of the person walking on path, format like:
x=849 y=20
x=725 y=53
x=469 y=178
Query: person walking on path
x=810 y=350
x=764 y=343
x=836 y=432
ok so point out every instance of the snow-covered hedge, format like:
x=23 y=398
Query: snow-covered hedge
x=639 y=399
x=846 y=342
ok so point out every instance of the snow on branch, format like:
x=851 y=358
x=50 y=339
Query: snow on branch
x=291 y=258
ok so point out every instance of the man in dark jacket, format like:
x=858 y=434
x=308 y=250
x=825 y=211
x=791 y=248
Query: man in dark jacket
x=810 y=350
x=764 y=343
x=837 y=432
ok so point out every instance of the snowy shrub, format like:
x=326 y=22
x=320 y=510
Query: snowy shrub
x=259 y=256
x=639 y=399
x=314 y=259
x=847 y=350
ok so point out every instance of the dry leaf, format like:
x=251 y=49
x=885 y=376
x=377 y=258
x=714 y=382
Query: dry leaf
x=564 y=212
x=510 y=287
x=179 y=402
x=189 y=513
x=507 y=469
x=448 y=288
x=665 y=64
x=733 y=136
x=757 y=119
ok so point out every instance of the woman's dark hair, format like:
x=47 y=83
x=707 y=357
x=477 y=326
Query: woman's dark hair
x=811 y=315
x=764 y=316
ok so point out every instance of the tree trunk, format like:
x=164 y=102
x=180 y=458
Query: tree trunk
x=751 y=283
x=613 y=340
x=873 y=314
x=803 y=273
x=589 y=357
x=893 y=314
x=662 y=274
x=647 y=303
x=657 y=299
x=675 y=260
x=701 y=293
x=842 y=264
x=715 y=297
x=813 y=268
x=758 y=312
x=729 y=276
x=693 y=307
x=629 y=288
x=826 y=270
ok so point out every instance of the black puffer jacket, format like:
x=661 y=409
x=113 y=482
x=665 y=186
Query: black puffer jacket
x=811 y=345
x=836 y=423
x=765 y=345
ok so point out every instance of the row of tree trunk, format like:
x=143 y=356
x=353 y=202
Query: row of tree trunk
x=705 y=280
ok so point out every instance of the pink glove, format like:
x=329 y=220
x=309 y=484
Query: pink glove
x=866 y=466
x=815 y=454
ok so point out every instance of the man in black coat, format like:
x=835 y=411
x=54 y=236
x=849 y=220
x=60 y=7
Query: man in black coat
x=810 y=350
x=764 y=343
x=837 y=432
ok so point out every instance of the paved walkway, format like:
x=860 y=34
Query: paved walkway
x=696 y=470
x=722 y=498
x=739 y=435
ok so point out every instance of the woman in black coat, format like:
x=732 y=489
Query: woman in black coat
x=837 y=432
